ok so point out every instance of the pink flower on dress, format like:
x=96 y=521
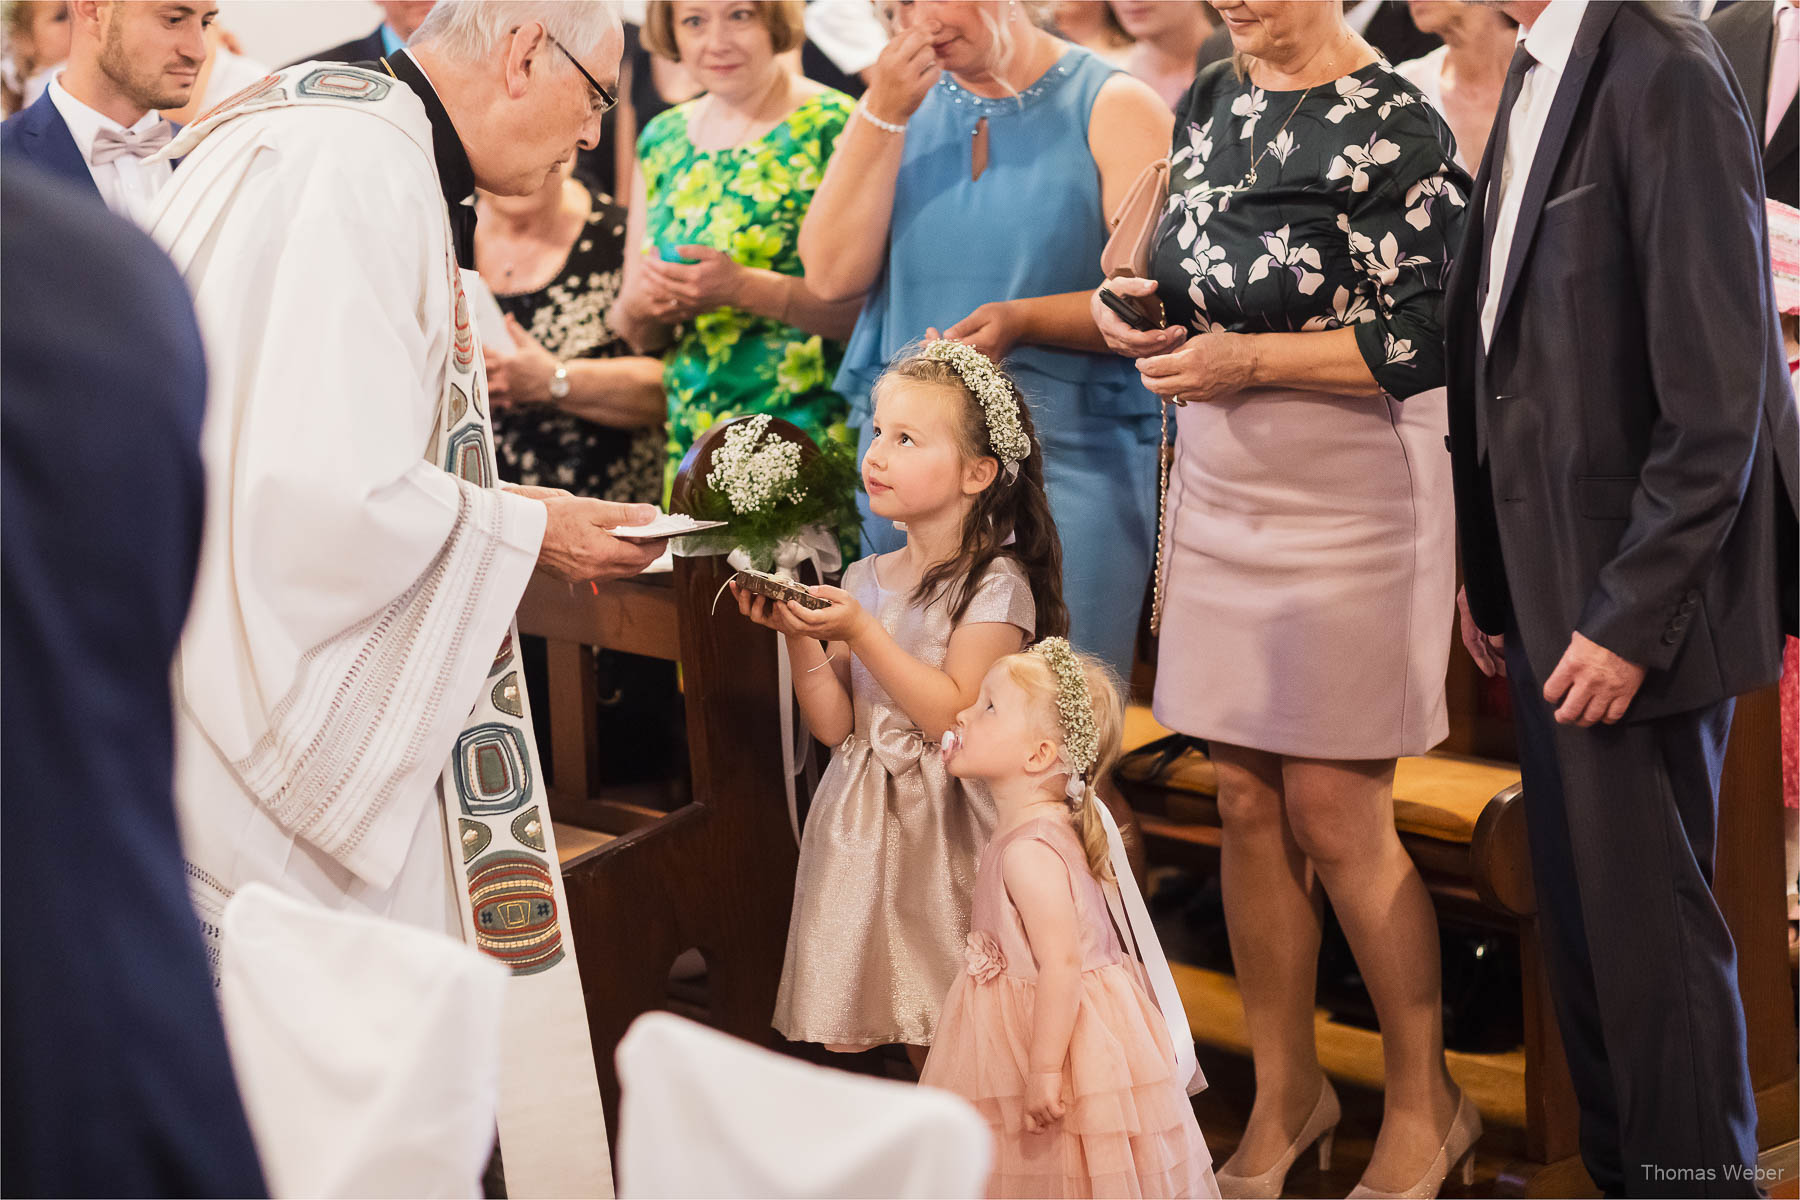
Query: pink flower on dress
x=986 y=959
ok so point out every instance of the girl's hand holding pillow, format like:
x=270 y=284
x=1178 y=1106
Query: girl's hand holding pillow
x=770 y=614
x=842 y=622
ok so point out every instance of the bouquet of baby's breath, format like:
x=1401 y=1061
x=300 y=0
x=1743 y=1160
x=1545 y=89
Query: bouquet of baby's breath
x=772 y=490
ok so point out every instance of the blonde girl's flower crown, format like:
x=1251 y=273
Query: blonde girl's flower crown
x=1075 y=711
x=999 y=400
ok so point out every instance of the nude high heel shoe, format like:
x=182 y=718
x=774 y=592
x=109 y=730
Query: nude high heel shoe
x=1458 y=1151
x=1321 y=1127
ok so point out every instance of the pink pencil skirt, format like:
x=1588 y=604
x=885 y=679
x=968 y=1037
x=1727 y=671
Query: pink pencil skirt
x=1311 y=574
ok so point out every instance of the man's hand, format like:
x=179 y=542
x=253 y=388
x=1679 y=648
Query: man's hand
x=1591 y=684
x=1488 y=650
x=577 y=547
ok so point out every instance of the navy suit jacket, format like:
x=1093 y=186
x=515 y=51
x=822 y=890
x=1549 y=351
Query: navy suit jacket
x=1643 y=455
x=116 y=1081
x=1746 y=33
x=39 y=135
x=366 y=48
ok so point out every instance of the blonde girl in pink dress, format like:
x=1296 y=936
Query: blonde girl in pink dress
x=1050 y=1031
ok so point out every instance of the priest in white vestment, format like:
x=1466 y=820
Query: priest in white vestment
x=352 y=725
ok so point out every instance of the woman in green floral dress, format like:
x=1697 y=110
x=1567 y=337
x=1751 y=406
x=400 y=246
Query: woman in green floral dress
x=723 y=184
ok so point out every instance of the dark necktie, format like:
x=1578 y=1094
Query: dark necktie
x=1509 y=96
x=1490 y=220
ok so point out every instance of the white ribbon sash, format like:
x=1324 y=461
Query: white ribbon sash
x=1132 y=918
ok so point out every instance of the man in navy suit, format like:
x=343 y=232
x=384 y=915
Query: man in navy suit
x=117 y=1081
x=1624 y=448
x=403 y=19
x=98 y=122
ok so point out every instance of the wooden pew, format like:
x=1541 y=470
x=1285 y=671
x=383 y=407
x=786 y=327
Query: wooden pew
x=717 y=874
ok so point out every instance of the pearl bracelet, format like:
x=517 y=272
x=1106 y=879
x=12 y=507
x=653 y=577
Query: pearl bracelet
x=862 y=110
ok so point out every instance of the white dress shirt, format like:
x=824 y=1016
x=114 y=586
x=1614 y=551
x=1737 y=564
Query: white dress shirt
x=127 y=184
x=1550 y=40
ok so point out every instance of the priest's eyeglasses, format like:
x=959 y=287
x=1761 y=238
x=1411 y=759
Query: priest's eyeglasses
x=607 y=99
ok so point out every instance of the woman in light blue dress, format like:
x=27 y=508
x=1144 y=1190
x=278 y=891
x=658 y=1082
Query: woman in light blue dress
x=968 y=195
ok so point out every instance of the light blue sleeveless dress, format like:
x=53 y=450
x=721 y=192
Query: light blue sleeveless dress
x=1032 y=225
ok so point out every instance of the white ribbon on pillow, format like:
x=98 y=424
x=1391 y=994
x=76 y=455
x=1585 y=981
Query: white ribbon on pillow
x=819 y=546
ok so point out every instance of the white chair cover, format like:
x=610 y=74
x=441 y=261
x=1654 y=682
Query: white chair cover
x=367 y=1051
x=704 y=1114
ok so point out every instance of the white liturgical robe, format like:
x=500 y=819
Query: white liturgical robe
x=351 y=622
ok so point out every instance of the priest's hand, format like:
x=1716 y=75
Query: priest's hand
x=577 y=547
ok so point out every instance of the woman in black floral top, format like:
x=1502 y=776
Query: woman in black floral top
x=1314 y=206
x=554 y=262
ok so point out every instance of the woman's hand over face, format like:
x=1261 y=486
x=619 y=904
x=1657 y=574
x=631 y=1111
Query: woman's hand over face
x=902 y=77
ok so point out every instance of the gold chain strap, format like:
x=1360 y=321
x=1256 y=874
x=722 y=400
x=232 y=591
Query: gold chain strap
x=1164 y=452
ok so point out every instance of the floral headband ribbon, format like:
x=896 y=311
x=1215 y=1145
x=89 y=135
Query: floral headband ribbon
x=1075 y=710
x=999 y=401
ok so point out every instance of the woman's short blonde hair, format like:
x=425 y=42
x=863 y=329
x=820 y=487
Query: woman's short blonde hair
x=784 y=19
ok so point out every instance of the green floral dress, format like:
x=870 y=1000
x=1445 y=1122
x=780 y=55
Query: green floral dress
x=747 y=202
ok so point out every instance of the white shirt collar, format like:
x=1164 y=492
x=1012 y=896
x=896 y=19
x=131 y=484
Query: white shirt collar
x=1551 y=38
x=86 y=123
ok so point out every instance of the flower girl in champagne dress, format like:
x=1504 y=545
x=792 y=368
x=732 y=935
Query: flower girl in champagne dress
x=887 y=859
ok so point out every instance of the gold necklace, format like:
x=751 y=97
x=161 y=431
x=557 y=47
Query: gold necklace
x=1249 y=180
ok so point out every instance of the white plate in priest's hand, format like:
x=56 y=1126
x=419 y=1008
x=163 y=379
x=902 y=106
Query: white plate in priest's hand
x=666 y=526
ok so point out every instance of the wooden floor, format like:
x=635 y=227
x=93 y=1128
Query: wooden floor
x=1352 y=1057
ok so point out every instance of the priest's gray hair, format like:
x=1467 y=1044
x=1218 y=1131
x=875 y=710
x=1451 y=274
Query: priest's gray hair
x=469 y=30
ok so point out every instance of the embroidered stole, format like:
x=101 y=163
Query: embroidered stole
x=552 y=1127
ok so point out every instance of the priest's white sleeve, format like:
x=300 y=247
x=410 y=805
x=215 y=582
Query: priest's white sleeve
x=351 y=595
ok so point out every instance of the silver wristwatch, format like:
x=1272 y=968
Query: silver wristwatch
x=559 y=382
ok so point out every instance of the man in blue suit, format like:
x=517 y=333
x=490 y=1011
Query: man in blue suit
x=403 y=18
x=117 y=1081
x=98 y=122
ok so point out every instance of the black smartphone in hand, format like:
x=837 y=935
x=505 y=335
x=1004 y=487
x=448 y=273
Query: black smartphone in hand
x=1128 y=311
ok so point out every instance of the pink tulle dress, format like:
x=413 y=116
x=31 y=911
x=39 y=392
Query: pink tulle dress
x=1128 y=1128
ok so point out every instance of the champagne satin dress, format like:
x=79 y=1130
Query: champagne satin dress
x=888 y=856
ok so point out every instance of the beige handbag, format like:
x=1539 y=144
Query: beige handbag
x=1127 y=254
x=1134 y=225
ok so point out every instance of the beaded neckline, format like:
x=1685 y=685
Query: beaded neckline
x=984 y=106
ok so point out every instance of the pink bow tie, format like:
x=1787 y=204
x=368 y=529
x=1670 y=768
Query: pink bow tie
x=110 y=144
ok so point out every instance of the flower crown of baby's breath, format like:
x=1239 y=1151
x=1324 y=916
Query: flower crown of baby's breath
x=999 y=400
x=1074 y=707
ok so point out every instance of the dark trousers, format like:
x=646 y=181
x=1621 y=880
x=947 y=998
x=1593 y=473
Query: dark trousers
x=1621 y=821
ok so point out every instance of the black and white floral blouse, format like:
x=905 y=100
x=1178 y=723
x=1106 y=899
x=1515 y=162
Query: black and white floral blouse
x=545 y=447
x=1350 y=216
